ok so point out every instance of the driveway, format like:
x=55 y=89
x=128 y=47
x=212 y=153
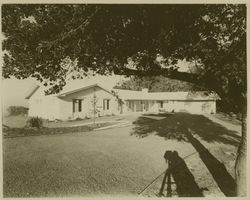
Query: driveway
x=124 y=160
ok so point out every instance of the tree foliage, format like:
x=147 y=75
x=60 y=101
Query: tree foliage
x=128 y=39
x=17 y=110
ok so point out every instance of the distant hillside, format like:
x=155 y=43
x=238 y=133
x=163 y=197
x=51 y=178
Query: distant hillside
x=157 y=84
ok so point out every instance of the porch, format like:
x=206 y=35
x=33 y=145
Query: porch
x=144 y=105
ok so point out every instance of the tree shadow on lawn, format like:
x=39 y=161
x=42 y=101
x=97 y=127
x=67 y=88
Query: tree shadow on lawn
x=171 y=128
x=182 y=127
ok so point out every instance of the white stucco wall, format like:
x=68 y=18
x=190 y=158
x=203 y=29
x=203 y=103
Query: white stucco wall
x=65 y=109
x=66 y=103
x=153 y=106
x=52 y=107
x=43 y=106
x=206 y=106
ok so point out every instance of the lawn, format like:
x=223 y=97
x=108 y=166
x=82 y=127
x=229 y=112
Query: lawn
x=93 y=163
x=214 y=143
x=125 y=160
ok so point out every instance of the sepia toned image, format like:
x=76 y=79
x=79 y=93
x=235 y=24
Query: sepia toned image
x=124 y=100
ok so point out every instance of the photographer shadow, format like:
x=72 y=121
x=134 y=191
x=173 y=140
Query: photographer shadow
x=183 y=179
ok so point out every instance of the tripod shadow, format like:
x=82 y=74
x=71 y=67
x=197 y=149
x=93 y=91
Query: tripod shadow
x=182 y=177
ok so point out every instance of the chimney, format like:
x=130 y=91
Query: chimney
x=144 y=90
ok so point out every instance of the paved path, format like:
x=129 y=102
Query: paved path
x=104 y=119
x=225 y=124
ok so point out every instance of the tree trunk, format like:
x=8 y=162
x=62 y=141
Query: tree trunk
x=240 y=165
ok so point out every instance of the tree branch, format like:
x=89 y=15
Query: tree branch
x=66 y=35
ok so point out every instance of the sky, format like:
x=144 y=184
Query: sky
x=14 y=91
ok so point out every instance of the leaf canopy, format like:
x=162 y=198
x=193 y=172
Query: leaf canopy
x=140 y=40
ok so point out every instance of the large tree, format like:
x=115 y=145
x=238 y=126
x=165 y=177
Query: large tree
x=141 y=40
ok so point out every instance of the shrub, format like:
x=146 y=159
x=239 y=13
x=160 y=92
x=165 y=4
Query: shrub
x=87 y=117
x=35 y=122
x=239 y=116
x=78 y=119
x=17 y=110
x=5 y=127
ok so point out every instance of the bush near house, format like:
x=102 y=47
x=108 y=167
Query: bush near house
x=17 y=110
x=35 y=122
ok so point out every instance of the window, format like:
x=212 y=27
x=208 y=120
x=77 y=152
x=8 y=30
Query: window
x=77 y=105
x=106 y=104
x=161 y=104
x=80 y=105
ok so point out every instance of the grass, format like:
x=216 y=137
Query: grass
x=73 y=165
x=115 y=162
x=205 y=136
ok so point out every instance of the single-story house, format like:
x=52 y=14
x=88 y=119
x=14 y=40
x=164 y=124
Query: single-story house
x=91 y=100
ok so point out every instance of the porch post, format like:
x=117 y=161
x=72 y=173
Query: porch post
x=73 y=103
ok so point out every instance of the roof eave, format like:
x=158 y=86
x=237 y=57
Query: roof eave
x=33 y=91
x=84 y=88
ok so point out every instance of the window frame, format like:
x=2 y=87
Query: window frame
x=106 y=104
x=77 y=105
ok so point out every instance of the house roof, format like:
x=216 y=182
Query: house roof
x=140 y=95
x=32 y=92
x=63 y=94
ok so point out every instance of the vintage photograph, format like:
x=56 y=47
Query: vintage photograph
x=124 y=100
